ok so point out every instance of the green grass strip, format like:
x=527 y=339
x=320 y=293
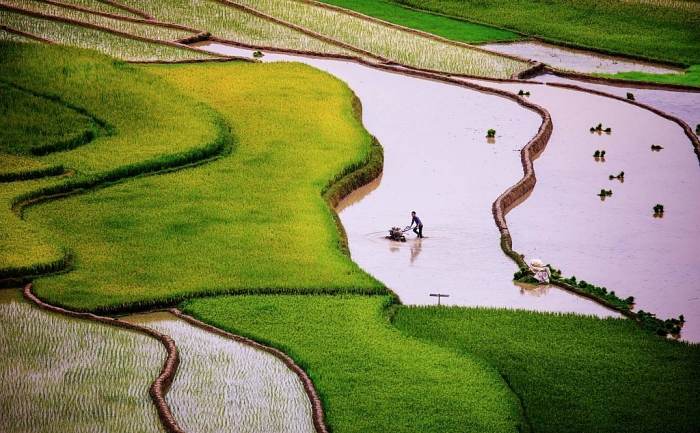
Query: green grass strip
x=691 y=77
x=665 y=31
x=369 y=376
x=154 y=127
x=573 y=373
x=34 y=125
x=449 y=28
x=659 y=31
x=254 y=221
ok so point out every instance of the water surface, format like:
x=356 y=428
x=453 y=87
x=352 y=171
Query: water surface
x=577 y=60
x=616 y=242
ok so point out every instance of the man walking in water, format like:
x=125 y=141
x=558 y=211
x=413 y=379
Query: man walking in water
x=418 y=229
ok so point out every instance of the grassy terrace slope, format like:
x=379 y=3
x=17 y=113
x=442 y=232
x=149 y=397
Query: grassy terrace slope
x=253 y=221
x=661 y=31
x=573 y=373
x=369 y=376
x=448 y=28
x=145 y=125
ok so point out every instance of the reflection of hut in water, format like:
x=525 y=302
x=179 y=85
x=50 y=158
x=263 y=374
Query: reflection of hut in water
x=533 y=289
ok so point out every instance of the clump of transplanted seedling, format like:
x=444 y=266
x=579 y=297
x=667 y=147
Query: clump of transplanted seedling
x=491 y=133
x=599 y=154
x=650 y=322
x=604 y=193
x=697 y=129
x=599 y=129
x=601 y=292
x=659 y=211
x=620 y=176
x=258 y=54
x=523 y=93
x=630 y=96
x=656 y=147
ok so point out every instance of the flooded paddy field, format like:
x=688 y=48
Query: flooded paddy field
x=223 y=385
x=577 y=60
x=683 y=104
x=439 y=163
x=617 y=241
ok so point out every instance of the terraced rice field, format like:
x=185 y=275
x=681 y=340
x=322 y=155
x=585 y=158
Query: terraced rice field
x=223 y=385
x=63 y=374
x=80 y=36
x=79 y=376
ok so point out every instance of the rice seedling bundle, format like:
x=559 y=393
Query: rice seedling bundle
x=138 y=29
x=408 y=48
x=79 y=36
x=62 y=374
x=223 y=385
x=233 y=24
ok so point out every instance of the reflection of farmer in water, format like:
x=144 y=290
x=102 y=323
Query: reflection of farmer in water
x=541 y=272
x=418 y=229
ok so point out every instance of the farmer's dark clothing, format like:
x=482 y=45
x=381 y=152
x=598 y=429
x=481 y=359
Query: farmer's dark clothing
x=418 y=229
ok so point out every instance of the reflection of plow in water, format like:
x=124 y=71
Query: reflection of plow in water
x=397 y=234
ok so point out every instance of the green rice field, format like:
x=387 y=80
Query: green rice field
x=369 y=376
x=63 y=374
x=208 y=186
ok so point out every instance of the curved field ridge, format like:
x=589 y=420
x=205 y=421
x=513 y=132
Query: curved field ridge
x=26 y=34
x=161 y=383
x=316 y=406
x=369 y=376
x=60 y=124
x=148 y=137
x=411 y=30
x=185 y=49
x=519 y=192
x=390 y=42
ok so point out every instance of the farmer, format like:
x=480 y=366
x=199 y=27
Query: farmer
x=541 y=272
x=418 y=229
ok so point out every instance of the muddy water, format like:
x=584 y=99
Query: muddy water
x=439 y=163
x=616 y=242
x=684 y=105
x=223 y=385
x=577 y=60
